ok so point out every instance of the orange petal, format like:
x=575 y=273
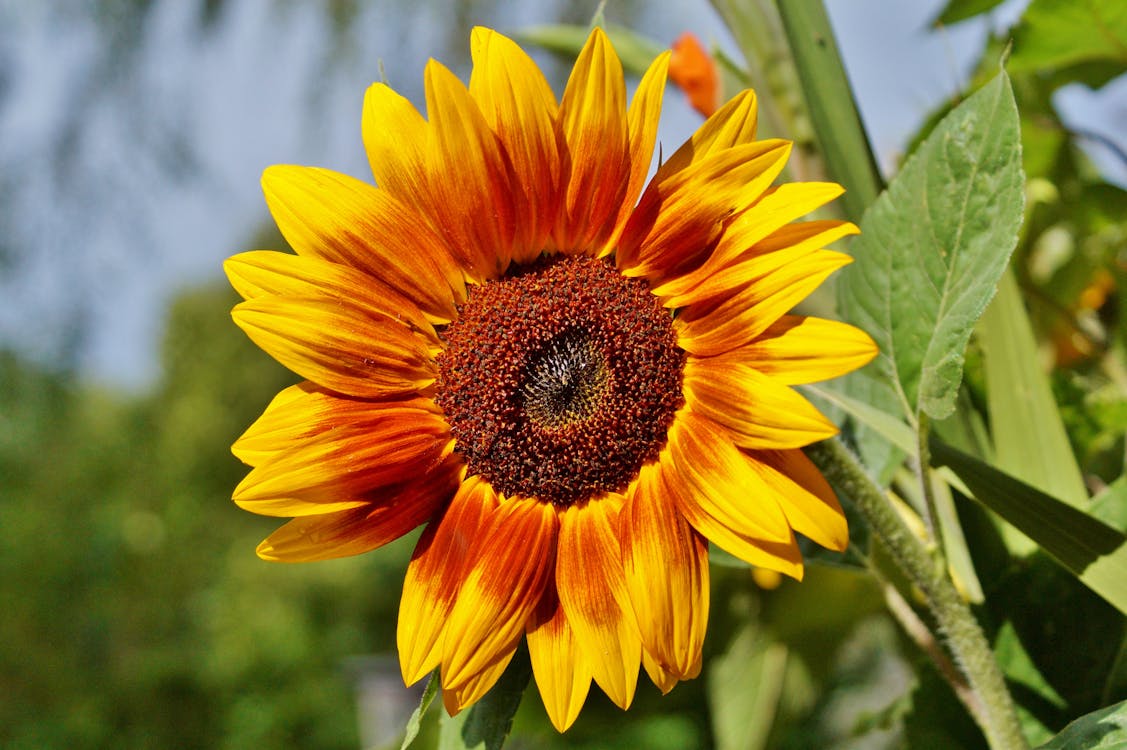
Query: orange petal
x=666 y=564
x=717 y=491
x=597 y=138
x=757 y=411
x=521 y=109
x=725 y=323
x=563 y=675
x=506 y=571
x=806 y=497
x=681 y=217
x=592 y=589
x=343 y=449
x=397 y=511
x=796 y=350
x=435 y=575
x=343 y=345
x=328 y=215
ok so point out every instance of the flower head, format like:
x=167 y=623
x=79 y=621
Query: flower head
x=575 y=380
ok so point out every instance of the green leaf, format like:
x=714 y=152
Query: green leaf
x=634 y=50
x=884 y=424
x=1105 y=729
x=933 y=246
x=1029 y=438
x=486 y=724
x=744 y=688
x=416 y=720
x=1093 y=551
x=961 y=10
x=1056 y=33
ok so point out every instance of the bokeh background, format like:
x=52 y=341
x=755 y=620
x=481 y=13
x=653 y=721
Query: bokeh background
x=133 y=611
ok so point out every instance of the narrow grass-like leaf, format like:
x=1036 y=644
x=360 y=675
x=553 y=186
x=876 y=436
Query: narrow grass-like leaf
x=416 y=720
x=1029 y=438
x=1105 y=729
x=887 y=426
x=830 y=104
x=1093 y=551
x=934 y=245
x=486 y=724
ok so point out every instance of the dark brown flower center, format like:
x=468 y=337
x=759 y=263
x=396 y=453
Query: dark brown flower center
x=560 y=379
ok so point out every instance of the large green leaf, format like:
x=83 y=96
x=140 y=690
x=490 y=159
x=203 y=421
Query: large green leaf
x=1029 y=438
x=1105 y=729
x=1056 y=33
x=1093 y=551
x=933 y=246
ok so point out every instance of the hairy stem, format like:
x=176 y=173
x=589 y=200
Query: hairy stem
x=961 y=632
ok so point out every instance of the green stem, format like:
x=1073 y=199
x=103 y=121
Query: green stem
x=829 y=101
x=962 y=634
x=923 y=462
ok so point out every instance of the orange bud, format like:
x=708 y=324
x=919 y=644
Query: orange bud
x=694 y=71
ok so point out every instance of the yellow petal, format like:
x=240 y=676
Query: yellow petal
x=562 y=674
x=353 y=532
x=592 y=590
x=435 y=575
x=742 y=257
x=457 y=697
x=757 y=411
x=507 y=569
x=681 y=217
x=725 y=323
x=642 y=120
x=344 y=449
x=724 y=483
x=469 y=192
x=662 y=678
x=796 y=350
x=521 y=109
x=597 y=138
x=395 y=137
x=666 y=565
x=264 y=273
x=731 y=125
x=806 y=497
x=342 y=345
x=328 y=215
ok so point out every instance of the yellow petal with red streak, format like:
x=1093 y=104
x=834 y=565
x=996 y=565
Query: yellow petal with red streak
x=506 y=571
x=435 y=574
x=592 y=590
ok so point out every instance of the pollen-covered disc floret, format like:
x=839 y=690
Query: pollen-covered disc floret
x=560 y=379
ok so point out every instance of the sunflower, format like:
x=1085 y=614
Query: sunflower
x=576 y=380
